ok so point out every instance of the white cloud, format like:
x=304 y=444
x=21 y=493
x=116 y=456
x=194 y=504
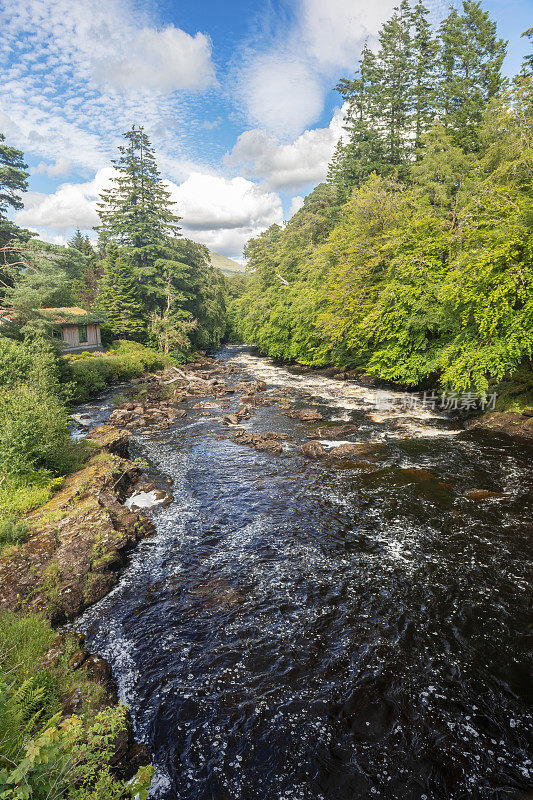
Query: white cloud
x=296 y=204
x=219 y=212
x=163 y=60
x=281 y=93
x=76 y=75
x=287 y=166
x=59 y=169
x=224 y=213
x=72 y=205
x=282 y=86
x=334 y=33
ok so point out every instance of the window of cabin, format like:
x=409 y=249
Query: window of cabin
x=82 y=332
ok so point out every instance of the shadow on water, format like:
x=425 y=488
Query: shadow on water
x=335 y=629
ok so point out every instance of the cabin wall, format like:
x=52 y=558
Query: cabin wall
x=71 y=337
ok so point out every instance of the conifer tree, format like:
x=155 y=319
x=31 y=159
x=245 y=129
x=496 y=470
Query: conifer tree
x=119 y=297
x=395 y=78
x=136 y=211
x=424 y=55
x=528 y=60
x=363 y=151
x=13 y=181
x=471 y=56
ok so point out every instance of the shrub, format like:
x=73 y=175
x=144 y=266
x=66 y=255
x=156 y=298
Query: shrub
x=92 y=373
x=33 y=431
x=12 y=531
x=22 y=493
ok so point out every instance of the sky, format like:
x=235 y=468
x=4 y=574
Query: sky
x=237 y=98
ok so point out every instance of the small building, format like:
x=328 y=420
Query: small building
x=76 y=328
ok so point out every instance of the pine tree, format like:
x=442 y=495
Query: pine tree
x=363 y=151
x=528 y=60
x=472 y=57
x=136 y=211
x=13 y=181
x=119 y=298
x=424 y=56
x=395 y=77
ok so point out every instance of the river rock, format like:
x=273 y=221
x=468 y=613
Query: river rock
x=231 y=419
x=307 y=415
x=510 y=423
x=355 y=450
x=480 y=495
x=313 y=449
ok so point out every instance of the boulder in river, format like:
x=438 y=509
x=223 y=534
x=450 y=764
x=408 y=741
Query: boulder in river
x=313 y=449
x=307 y=415
x=510 y=423
x=356 y=450
x=480 y=495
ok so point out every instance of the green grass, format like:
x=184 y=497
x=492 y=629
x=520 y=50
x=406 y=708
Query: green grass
x=20 y=494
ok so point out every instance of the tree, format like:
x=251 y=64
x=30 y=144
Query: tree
x=395 y=77
x=13 y=176
x=528 y=60
x=136 y=212
x=119 y=297
x=13 y=181
x=363 y=152
x=424 y=56
x=471 y=56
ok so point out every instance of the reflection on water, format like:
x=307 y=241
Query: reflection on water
x=332 y=629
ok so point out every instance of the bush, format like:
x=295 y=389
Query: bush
x=92 y=373
x=41 y=755
x=12 y=531
x=34 y=431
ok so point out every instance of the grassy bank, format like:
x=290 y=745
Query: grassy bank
x=45 y=750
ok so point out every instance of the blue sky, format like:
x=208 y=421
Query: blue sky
x=236 y=97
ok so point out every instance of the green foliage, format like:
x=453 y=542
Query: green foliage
x=43 y=756
x=22 y=493
x=426 y=280
x=33 y=431
x=12 y=531
x=91 y=374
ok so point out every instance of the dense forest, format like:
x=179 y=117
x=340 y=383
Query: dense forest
x=414 y=259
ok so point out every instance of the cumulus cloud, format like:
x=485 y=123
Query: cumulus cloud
x=282 y=87
x=75 y=75
x=72 y=205
x=282 y=93
x=219 y=212
x=258 y=154
x=58 y=169
x=224 y=213
x=163 y=60
x=296 y=204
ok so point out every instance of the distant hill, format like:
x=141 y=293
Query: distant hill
x=226 y=265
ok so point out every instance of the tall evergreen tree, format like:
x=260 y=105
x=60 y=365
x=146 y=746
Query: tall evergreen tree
x=471 y=56
x=424 y=57
x=395 y=77
x=363 y=151
x=136 y=211
x=119 y=296
x=528 y=60
x=13 y=181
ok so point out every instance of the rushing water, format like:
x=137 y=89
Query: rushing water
x=303 y=630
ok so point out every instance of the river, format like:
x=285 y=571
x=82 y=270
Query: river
x=322 y=630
